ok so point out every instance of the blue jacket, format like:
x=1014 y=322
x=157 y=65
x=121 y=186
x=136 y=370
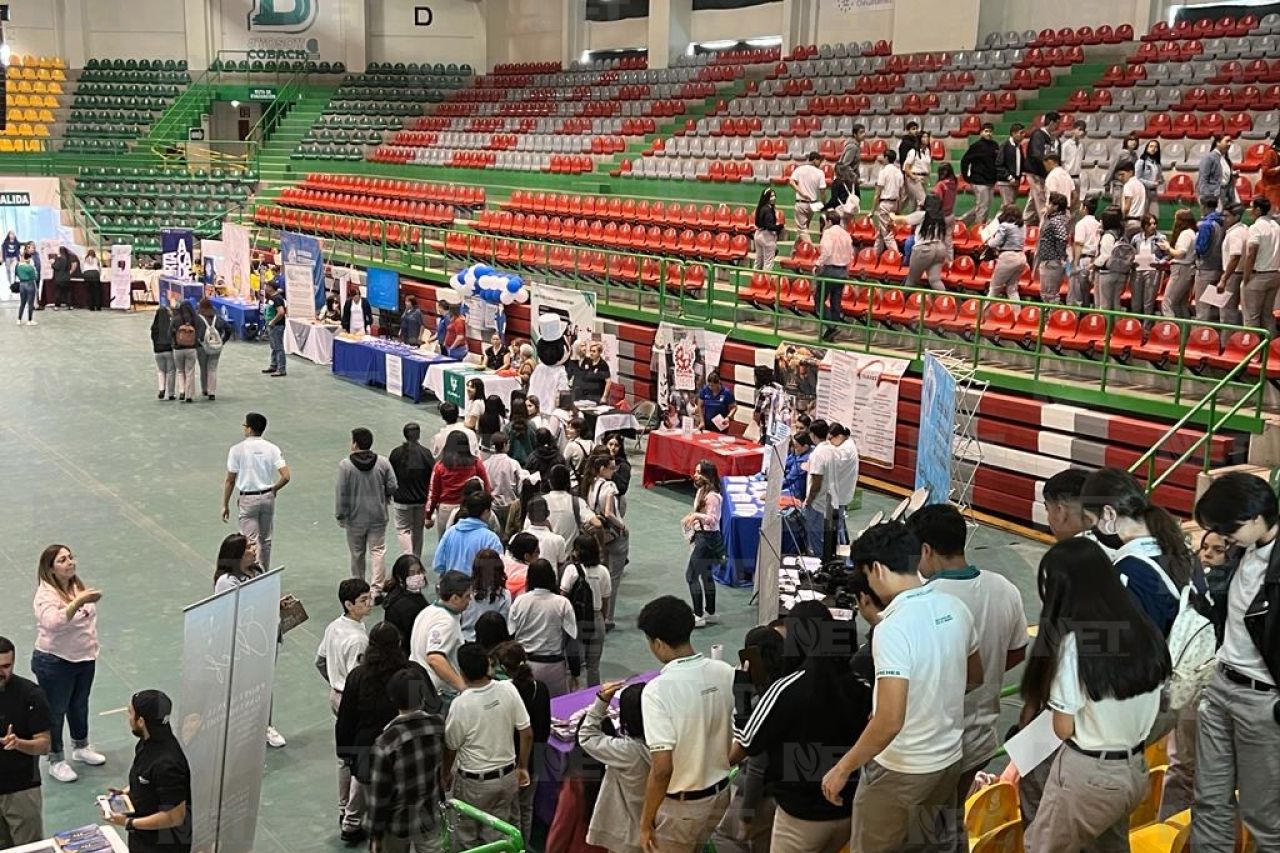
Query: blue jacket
x=795 y=478
x=1147 y=582
x=1205 y=232
x=11 y=249
x=460 y=544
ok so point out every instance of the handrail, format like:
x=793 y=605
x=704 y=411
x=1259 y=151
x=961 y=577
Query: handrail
x=512 y=843
x=178 y=116
x=1210 y=400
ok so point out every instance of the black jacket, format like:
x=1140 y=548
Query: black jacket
x=906 y=145
x=1040 y=144
x=401 y=608
x=161 y=330
x=363 y=713
x=767 y=219
x=346 y=316
x=412 y=463
x=1261 y=619
x=1009 y=162
x=978 y=165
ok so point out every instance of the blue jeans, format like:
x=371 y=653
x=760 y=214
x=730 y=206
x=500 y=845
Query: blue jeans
x=707 y=547
x=277 y=347
x=67 y=686
x=26 y=298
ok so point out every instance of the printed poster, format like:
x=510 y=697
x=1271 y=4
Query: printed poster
x=303 y=249
x=682 y=357
x=121 y=275
x=861 y=392
x=297 y=291
x=937 y=429
x=236 y=259
x=395 y=375
x=177 y=252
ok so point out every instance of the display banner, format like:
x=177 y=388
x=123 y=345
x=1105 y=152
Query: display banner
x=285 y=30
x=572 y=313
x=211 y=261
x=395 y=375
x=236 y=259
x=769 y=556
x=305 y=250
x=796 y=368
x=937 y=430
x=682 y=356
x=861 y=392
x=121 y=276
x=297 y=291
x=228 y=669
x=177 y=252
x=577 y=308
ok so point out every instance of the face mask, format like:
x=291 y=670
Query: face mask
x=1108 y=540
x=415 y=583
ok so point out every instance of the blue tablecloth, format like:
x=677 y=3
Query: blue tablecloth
x=192 y=291
x=237 y=314
x=742 y=532
x=365 y=362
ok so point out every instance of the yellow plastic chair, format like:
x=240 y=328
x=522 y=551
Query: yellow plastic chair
x=59 y=75
x=42 y=131
x=1181 y=819
x=34 y=146
x=6 y=145
x=54 y=88
x=1006 y=838
x=1148 y=811
x=45 y=116
x=989 y=808
x=47 y=101
x=1159 y=838
x=1158 y=752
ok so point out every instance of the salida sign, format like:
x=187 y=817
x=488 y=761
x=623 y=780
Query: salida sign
x=15 y=199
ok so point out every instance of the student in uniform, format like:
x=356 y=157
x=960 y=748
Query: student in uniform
x=911 y=754
x=1104 y=694
x=542 y=621
x=615 y=821
x=998 y=617
x=586 y=562
x=1061 y=497
x=437 y=634
x=159 y=780
x=1238 y=747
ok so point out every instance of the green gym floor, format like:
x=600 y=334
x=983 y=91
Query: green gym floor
x=133 y=485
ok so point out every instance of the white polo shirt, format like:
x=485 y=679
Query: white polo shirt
x=926 y=637
x=551 y=545
x=688 y=711
x=1088 y=232
x=342 y=645
x=1059 y=181
x=480 y=723
x=539 y=620
x=811 y=182
x=1136 y=192
x=1234 y=243
x=1001 y=625
x=436 y=629
x=1265 y=234
x=843 y=478
x=889 y=182
x=255 y=462
x=822 y=462
x=437 y=443
x=597 y=578
x=1105 y=724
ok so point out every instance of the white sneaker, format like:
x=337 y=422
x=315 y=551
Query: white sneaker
x=88 y=755
x=712 y=619
x=21 y=321
x=32 y=323
x=699 y=621
x=62 y=771
x=275 y=740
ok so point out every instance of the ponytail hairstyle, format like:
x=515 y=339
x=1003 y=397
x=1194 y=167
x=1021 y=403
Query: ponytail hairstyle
x=514 y=661
x=1119 y=490
x=593 y=466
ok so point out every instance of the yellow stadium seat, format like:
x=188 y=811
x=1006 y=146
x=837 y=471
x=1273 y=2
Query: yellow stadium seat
x=45 y=116
x=23 y=87
x=6 y=145
x=34 y=146
x=15 y=60
x=1003 y=839
x=25 y=130
x=39 y=87
x=43 y=74
x=54 y=88
x=1148 y=811
x=20 y=101
x=42 y=131
x=59 y=63
x=1158 y=752
x=989 y=808
x=58 y=74
x=48 y=101
x=1159 y=838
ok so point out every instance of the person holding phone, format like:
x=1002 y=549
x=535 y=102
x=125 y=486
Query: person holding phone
x=159 y=781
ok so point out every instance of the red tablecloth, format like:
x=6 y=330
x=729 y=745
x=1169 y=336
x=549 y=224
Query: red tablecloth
x=671 y=456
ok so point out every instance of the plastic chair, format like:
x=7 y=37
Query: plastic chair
x=1004 y=839
x=990 y=808
x=1148 y=810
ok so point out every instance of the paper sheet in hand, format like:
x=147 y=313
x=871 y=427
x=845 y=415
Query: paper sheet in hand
x=1032 y=745
x=720 y=421
x=816 y=206
x=1212 y=296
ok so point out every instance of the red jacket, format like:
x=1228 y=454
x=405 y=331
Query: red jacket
x=1269 y=185
x=447 y=483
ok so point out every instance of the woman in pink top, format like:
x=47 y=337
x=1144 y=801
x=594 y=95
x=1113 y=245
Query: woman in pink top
x=702 y=529
x=65 y=655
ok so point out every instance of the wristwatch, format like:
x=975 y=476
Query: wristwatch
x=128 y=824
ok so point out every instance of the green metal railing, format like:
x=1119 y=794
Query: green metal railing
x=512 y=842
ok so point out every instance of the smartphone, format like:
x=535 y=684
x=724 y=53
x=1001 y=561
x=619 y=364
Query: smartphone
x=110 y=804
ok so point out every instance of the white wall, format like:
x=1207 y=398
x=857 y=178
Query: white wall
x=926 y=25
x=456 y=32
x=615 y=35
x=1019 y=15
x=152 y=29
x=836 y=24
x=708 y=25
x=525 y=31
x=31 y=30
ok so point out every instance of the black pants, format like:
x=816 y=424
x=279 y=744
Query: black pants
x=833 y=280
x=93 y=286
x=62 y=293
x=707 y=548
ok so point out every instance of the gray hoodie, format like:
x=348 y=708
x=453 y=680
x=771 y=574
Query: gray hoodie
x=366 y=484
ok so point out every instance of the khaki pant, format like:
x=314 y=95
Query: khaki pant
x=912 y=196
x=166 y=372
x=498 y=797
x=350 y=791
x=1008 y=192
x=1177 y=293
x=684 y=826
x=1004 y=280
x=882 y=219
x=1258 y=298
x=1229 y=313
x=900 y=812
x=1080 y=287
x=1110 y=289
x=766 y=243
x=1052 y=274
x=1035 y=208
x=410 y=524
x=927 y=258
x=371 y=538
x=257 y=518
x=793 y=835
x=1086 y=804
x=21 y=818
x=1143 y=288
x=443 y=513
x=1238 y=749
x=982 y=195
x=184 y=361
x=1179 y=779
x=208 y=365
x=804 y=215
x=1031 y=789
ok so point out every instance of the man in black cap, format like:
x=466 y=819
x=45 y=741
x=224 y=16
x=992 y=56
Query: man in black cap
x=159 y=780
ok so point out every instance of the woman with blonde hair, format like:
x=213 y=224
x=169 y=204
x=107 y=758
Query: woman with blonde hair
x=65 y=655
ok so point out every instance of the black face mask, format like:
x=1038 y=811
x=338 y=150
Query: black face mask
x=1107 y=540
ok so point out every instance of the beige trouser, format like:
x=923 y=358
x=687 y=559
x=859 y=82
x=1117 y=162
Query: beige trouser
x=1087 y=802
x=927 y=258
x=1110 y=287
x=804 y=215
x=373 y=539
x=766 y=243
x=410 y=523
x=1051 y=275
x=1008 y=192
x=913 y=196
x=1177 y=292
x=1008 y=272
x=257 y=515
x=498 y=797
x=982 y=194
x=1179 y=779
x=684 y=826
x=1258 y=298
x=899 y=812
x=1229 y=313
x=793 y=835
x=350 y=791
x=21 y=818
x=1035 y=208
x=882 y=218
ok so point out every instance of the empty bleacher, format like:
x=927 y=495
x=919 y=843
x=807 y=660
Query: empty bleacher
x=34 y=91
x=117 y=100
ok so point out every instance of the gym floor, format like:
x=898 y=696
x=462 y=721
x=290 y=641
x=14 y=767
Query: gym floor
x=133 y=486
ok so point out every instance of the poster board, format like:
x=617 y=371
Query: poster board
x=937 y=430
x=383 y=290
x=236 y=259
x=682 y=357
x=303 y=249
x=121 y=276
x=177 y=250
x=861 y=392
x=297 y=291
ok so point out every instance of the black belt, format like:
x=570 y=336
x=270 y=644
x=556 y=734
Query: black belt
x=700 y=795
x=1237 y=677
x=250 y=494
x=545 y=658
x=488 y=776
x=1108 y=755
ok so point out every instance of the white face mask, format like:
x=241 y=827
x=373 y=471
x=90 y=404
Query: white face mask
x=415 y=583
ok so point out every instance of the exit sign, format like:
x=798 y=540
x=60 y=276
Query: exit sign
x=195 y=134
x=262 y=93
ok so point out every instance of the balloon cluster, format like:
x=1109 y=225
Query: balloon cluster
x=494 y=287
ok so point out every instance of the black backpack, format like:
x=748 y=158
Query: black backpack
x=581 y=596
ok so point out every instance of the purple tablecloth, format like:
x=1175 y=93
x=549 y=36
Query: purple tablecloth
x=557 y=755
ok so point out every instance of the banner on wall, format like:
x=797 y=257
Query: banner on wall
x=576 y=308
x=937 y=430
x=283 y=29
x=861 y=392
x=121 y=275
x=236 y=259
x=304 y=250
x=682 y=355
x=177 y=252
x=851 y=6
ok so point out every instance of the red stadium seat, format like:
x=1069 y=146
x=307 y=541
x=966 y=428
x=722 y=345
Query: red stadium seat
x=1025 y=329
x=1161 y=345
x=1125 y=335
x=1235 y=351
x=1203 y=343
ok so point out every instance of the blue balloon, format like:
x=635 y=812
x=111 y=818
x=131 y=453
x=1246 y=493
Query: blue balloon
x=514 y=284
x=491 y=296
x=483 y=269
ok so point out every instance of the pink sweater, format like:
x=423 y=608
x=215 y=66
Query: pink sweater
x=75 y=640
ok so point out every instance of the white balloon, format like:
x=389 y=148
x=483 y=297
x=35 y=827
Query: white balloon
x=522 y=296
x=470 y=277
x=506 y=297
x=492 y=282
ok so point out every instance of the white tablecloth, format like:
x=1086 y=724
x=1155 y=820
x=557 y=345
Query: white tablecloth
x=503 y=386
x=615 y=421
x=312 y=341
